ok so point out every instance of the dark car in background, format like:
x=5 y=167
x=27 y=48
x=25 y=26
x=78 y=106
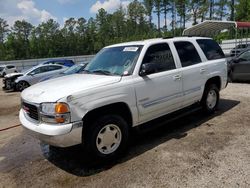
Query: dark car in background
x=239 y=49
x=64 y=62
x=239 y=67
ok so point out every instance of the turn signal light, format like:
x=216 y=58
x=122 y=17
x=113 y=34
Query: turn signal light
x=61 y=108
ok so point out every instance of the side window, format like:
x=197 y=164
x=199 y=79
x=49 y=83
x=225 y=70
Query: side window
x=161 y=56
x=187 y=53
x=52 y=68
x=36 y=71
x=211 y=49
x=10 y=67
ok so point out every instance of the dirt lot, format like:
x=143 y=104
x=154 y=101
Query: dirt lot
x=193 y=151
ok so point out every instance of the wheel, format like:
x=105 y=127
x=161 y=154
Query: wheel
x=210 y=98
x=22 y=85
x=107 y=137
x=4 y=74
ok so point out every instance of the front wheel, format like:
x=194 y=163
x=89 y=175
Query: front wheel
x=106 y=137
x=22 y=85
x=210 y=98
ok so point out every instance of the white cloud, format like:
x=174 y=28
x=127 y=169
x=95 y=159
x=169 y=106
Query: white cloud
x=108 y=5
x=23 y=9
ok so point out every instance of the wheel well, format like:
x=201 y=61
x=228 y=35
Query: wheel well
x=215 y=80
x=120 y=108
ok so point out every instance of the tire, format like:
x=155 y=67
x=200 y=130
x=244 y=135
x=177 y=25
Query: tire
x=4 y=74
x=106 y=138
x=22 y=85
x=210 y=98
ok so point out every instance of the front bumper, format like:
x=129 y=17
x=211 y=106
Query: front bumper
x=56 y=135
x=8 y=84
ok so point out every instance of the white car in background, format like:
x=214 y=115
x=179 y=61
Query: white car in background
x=7 y=69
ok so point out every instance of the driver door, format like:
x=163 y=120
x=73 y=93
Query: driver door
x=159 y=92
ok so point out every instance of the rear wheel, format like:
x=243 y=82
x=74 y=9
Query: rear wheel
x=22 y=85
x=210 y=98
x=107 y=137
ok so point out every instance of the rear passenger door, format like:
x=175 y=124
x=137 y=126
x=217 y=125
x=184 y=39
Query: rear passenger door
x=193 y=72
x=160 y=92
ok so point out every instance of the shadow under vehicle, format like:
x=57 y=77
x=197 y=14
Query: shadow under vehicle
x=144 y=138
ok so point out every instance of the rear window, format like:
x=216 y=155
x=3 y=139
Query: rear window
x=211 y=49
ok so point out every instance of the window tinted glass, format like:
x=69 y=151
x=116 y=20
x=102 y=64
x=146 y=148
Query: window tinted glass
x=10 y=67
x=161 y=55
x=245 y=56
x=187 y=53
x=211 y=49
x=36 y=71
x=52 y=68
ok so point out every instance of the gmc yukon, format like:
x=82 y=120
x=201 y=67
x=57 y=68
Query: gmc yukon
x=124 y=86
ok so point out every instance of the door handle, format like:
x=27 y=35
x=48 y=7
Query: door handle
x=177 y=77
x=202 y=70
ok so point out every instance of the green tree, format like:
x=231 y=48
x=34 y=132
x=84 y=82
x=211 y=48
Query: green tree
x=243 y=10
x=21 y=32
x=149 y=9
x=221 y=11
x=157 y=5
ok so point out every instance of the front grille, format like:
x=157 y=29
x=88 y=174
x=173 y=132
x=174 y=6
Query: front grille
x=31 y=110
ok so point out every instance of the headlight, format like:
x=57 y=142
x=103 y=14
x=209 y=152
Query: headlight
x=55 y=113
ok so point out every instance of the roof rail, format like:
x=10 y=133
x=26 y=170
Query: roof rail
x=170 y=37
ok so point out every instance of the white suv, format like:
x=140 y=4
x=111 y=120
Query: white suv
x=7 y=69
x=124 y=86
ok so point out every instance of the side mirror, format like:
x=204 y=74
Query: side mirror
x=147 y=68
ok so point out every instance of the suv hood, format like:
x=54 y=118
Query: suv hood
x=55 y=89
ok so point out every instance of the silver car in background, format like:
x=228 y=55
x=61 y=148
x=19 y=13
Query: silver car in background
x=34 y=75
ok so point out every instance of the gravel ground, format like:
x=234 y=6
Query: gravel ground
x=192 y=151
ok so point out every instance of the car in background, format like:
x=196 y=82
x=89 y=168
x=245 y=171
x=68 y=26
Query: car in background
x=6 y=69
x=239 y=49
x=239 y=67
x=34 y=75
x=72 y=70
x=64 y=62
x=9 y=80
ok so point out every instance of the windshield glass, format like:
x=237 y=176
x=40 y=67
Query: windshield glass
x=1 y=68
x=115 y=60
x=245 y=55
x=74 y=69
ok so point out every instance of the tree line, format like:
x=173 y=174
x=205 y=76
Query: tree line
x=81 y=37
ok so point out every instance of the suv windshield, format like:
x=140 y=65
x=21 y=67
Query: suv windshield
x=115 y=60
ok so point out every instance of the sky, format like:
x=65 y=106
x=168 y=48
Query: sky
x=37 y=11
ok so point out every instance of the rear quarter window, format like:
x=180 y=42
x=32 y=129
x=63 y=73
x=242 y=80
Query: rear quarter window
x=211 y=49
